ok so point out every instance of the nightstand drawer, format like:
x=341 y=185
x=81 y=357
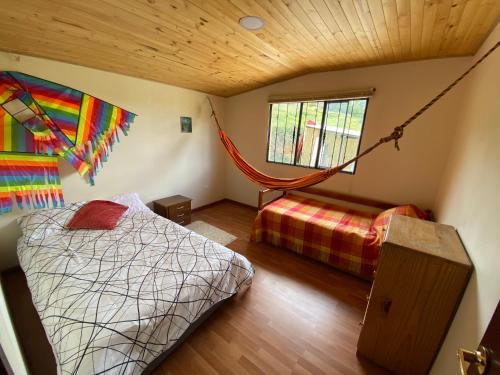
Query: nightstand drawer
x=182 y=218
x=180 y=208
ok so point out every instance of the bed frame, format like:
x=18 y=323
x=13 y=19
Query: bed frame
x=361 y=266
x=328 y=194
x=158 y=361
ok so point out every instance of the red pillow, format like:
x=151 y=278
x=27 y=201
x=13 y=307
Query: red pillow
x=97 y=215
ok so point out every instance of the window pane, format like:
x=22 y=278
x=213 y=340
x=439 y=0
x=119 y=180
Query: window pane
x=312 y=114
x=342 y=132
x=282 y=133
x=316 y=134
x=333 y=130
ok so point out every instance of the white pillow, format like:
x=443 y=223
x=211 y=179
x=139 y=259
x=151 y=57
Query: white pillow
x=41 y=224
x=133 y=202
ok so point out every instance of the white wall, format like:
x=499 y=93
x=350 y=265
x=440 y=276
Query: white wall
x=410 y=175
x=449 y=162
x=469 y=200
x=155 y=160
x=8 y=340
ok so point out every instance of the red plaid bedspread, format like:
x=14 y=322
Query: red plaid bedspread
x=332 y=234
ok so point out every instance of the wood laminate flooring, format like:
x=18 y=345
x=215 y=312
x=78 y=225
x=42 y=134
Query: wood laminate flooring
x=299 y=316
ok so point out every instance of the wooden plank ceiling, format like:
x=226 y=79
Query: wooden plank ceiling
x=198 y=44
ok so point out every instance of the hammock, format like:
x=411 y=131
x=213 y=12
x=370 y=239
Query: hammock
x=283 y=184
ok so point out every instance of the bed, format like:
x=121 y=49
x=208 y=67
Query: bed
x=117 y=301
x=344 y=238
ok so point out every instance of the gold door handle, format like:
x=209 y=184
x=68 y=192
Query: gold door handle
x=479 y=358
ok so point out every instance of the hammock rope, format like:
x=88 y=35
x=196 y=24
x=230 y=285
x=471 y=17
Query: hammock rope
x=317 y=177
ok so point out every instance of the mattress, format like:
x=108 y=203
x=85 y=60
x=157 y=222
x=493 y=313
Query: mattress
x=335 y=235
x=113 y=301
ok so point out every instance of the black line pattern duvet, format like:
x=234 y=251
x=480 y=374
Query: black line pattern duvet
x=111 y=301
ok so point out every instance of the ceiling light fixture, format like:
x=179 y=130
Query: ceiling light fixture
x=252 y=23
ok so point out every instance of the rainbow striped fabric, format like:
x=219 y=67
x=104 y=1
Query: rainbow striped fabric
x=42 y=120
x=32 y=179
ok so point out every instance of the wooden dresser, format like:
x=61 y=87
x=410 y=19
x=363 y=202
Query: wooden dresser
x=421 y=276
x=176 y=208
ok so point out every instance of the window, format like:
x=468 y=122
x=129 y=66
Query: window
x=316 y=134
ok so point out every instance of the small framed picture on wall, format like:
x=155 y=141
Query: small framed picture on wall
x=186 y=124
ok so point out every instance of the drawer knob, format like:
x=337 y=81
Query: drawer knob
x=386 y=305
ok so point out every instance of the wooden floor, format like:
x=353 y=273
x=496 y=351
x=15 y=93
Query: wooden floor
x=299 y=316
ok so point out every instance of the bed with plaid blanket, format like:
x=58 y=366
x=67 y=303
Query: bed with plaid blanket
x=335 y=235
x=114 y=301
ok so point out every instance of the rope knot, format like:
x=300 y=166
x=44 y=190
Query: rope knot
x=396 y=134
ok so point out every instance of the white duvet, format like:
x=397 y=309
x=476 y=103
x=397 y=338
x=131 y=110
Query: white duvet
x=112 y=301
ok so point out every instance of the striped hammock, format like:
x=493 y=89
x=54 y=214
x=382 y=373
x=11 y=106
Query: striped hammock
x=41 y=121
x=293 y=183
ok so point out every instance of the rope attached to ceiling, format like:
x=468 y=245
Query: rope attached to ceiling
x=276 y=183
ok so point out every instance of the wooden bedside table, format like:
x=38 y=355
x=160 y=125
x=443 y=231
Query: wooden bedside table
x=176 y=208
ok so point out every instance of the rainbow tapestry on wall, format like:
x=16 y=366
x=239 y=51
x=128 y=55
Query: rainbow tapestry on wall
x=41 y=121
